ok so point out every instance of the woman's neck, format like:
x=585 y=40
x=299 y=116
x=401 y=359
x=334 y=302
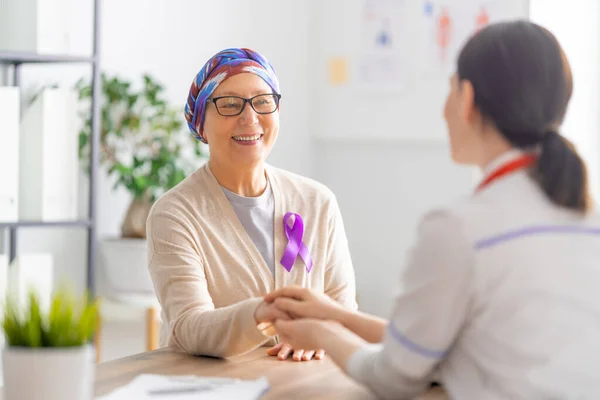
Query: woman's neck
x=492 y=148
x=246 y=181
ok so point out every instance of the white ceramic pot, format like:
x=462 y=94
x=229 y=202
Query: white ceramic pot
x=125 y=264
x=49 y=373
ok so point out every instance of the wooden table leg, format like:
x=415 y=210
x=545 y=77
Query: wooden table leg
x=151 y=329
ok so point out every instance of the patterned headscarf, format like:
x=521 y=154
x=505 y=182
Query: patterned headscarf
x=221 y=66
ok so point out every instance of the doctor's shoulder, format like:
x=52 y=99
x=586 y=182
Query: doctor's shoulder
x=464 y=220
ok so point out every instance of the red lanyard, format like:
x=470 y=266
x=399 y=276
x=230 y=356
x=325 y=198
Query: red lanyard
x=508 y=168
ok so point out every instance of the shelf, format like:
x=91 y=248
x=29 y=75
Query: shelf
x=47 y=224
x=33 y=58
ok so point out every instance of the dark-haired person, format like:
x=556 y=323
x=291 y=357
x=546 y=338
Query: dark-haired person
x=500 y=294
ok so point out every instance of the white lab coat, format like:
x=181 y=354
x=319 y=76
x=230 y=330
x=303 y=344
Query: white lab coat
x=500 y=296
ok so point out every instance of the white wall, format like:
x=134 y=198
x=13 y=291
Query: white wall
x=383 y=189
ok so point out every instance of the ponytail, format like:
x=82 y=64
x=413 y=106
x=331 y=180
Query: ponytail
x=561 y=173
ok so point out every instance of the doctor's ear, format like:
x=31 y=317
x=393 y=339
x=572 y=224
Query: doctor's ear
x=468 y=109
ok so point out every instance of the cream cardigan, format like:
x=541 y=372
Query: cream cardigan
x=209 y=276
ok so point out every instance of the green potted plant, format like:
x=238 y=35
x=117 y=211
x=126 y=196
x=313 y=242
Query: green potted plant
x=145 y=147
x=48 y=353
x=143 y=143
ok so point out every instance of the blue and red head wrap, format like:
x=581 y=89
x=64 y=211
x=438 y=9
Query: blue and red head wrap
x=221 y=66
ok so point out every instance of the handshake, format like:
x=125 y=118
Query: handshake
x=298 y=315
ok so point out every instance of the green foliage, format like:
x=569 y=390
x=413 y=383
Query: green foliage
x=142 y=139
x=68 y=322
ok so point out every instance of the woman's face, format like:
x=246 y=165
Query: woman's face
x=460 y=116
x=228 y=136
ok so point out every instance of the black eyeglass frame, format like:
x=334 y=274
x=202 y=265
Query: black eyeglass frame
x=277 y=96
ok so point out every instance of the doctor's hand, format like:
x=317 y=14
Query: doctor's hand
x=299 y=302
x=307 y=333
x=283 y=351
x=304 y=333
x=268 y=312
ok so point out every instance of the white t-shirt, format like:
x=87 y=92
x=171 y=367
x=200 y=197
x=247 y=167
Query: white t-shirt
x=500 y=296
x=256 y=216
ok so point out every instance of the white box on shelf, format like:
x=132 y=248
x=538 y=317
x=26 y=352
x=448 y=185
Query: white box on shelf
x=38 y=26
x=49 y=162
x=32 y=272
x=9 y=153
x=3 y=279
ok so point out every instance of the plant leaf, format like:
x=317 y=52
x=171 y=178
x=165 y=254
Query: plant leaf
x=68 y=322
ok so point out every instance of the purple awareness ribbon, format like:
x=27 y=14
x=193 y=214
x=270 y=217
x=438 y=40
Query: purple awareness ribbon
x=295 y=245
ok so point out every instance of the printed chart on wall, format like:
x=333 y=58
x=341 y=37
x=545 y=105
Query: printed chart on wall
x=402 y=42
x=382 y=61
x=389 y=62
x=445 y=25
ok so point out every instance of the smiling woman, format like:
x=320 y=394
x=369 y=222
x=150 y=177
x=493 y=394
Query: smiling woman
x=241 y=123
x=232 y=231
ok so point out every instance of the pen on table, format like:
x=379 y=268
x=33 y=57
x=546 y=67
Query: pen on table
x=190 y=389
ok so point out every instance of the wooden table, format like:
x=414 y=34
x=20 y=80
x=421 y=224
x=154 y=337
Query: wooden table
x=289 y=379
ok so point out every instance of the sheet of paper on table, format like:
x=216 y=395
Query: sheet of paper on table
x=182 y=387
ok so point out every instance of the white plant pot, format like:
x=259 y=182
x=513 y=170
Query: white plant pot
x=49 y=373
x=125 y=265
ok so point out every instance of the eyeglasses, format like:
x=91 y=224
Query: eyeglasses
x=230 y=106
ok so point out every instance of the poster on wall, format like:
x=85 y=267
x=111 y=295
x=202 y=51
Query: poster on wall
x=444 y=26
x=387 y=63
x=404 y=41
x=382 y=56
